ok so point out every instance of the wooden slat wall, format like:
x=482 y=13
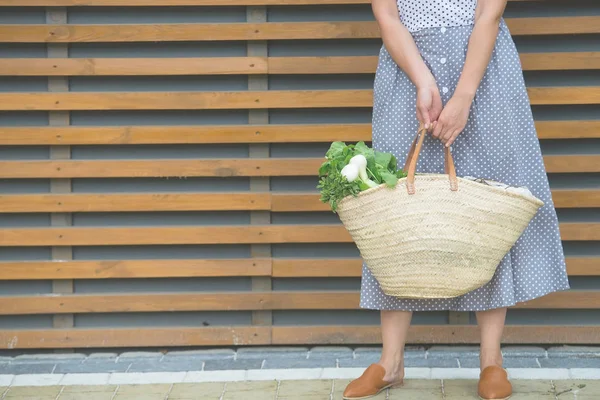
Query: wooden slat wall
x=203 y=210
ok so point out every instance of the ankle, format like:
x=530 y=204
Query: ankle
x=394 y=369
x=491 y=357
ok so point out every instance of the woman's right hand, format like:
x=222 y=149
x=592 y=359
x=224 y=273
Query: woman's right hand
x=429 y=104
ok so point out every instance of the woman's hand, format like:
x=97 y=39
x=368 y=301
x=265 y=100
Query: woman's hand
x=429 y=104
x=453 y=119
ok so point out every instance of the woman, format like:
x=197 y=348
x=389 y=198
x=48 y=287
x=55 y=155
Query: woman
x=456 y=61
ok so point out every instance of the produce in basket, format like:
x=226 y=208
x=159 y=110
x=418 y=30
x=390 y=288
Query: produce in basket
x=350 y=169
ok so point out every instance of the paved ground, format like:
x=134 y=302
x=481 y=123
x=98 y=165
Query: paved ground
x=256 y=358
x=302 y=390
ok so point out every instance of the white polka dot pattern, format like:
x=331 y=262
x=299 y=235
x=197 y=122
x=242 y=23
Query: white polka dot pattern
x=499 y=143
x=421 y=14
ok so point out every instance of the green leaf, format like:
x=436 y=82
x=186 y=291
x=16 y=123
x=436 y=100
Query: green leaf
x=390 y=179
x=401 y=174
x=383 y=159
x=335 y=150
x=324 y=169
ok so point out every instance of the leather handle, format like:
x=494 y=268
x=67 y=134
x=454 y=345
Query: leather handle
x=413 y=156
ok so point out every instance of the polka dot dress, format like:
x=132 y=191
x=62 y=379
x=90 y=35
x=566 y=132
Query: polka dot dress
x=498 y=143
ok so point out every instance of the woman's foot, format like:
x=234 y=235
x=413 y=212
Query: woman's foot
x=494 y=384
x=373 y=381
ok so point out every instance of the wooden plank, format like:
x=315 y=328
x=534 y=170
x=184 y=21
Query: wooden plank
x=186 y=134
x=560 y=61
x=187 y=100
x=308 y=133
x=235 y=301
x=281 y=268
x=221 y=168
x=32 y=33
x=434 y=334
x=125 y=269
x=572 y=163
x=133 y=337
x=282 y=335
x=243 y=234
x=132 y=66
x=168 y=302
x=252 y=65
x=135 y=202
x=279 y=99
x=576 y=198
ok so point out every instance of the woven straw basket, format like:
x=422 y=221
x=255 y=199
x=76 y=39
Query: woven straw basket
x=435 y=235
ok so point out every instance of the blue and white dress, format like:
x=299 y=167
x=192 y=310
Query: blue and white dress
x=498 y=143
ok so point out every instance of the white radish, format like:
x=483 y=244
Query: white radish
x=350 y=172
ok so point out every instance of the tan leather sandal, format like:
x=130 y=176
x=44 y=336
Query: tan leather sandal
x=369 y=384
x=494 y=384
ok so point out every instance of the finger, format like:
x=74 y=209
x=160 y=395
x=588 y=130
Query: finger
x=452 y=138
x=447 y=134
x=436 y=107
x=425 y=120
x=439 y=126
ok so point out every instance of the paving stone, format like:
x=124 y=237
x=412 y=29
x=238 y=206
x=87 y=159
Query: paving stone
x=414 y=384
x=133 y=356
x=173 y=365
x=339 y=385
x=509 y=362
x=22 y=391
x=531 y=386
x=453 y=351
x=220 y=365
x=26 y=368
x=414 y=394
x=305 y=389
x=88 y=396
x=570 y=362
x=460 y=387
x=54 y=358
x=145 y=389
x=91 y=366
x=278 y=363
x=326 y=352
x=89 y=389
x=211 y=354
x=102 y=356
x=435 y=362
x=574 y=351
x=141 y=396
x=524 y=351
x=267 y=352
x=264 y=390
x=362 y=361
x=33 y=398
x=564 y=389
x=189 y=391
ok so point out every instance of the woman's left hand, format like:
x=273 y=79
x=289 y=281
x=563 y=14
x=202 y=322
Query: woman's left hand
x=452 y=120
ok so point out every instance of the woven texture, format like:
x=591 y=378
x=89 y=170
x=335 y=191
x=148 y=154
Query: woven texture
x=435 y=243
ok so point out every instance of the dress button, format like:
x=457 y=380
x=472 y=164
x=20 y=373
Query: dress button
x=443 y=60
x=444 y=90
x=443 y=30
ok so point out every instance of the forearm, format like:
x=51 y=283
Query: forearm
x=400 y=44
x=481 y=45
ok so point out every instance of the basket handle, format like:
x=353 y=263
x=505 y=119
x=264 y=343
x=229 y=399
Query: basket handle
x=413 y=156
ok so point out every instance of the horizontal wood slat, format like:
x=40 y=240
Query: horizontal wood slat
x=278 y=99
x=124 y=269
x=221 y=168
x=133 y=3
x=251 y=65
x=308 y=133
x=434 y=334
x=276 y=202
x=32 y=33
x=134 y=337
x=235 y=301
x=281 y=335
x=277 y=268
x=243 y=234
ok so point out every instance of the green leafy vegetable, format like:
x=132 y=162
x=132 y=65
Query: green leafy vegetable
x=350 y=169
